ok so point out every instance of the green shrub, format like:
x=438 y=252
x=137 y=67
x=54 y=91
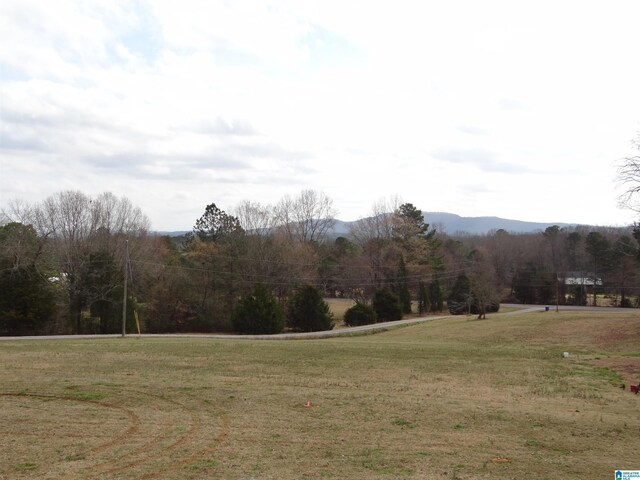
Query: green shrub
x=258 y=313
x=308 y=312
x=387 y=306
x=360 y=314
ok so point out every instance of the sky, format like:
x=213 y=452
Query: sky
x=495 y=108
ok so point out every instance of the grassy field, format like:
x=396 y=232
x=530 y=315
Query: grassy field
x=338 y=306
x=451 y=399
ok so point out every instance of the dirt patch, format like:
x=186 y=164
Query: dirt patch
x=615 y=331
x=628 y=368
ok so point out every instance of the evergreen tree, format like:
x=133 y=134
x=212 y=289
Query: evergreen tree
x=579 y=295
x=424 y=304
x=411 y=222
x=387 y=306
x=436 y=295
x=597 y=246
x=258 y=313
x=402 y=287
x=215 y=224
x=27 y=301
x=574 y=240
x=460 y=299
x=103 y=290
x=308 y=312
x=534 y=284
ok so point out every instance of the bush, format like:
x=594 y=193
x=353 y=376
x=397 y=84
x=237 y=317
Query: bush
x=387 y=306
x=360 y=314
x=258 y=313
x=626 y=303
x=461 y=308
x=308 y=312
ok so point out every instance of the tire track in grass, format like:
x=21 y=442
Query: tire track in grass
x=130 y=432
x=220 y=438
x=136 y=428
x=194 y=426
x=133 y=418
x=182 y=441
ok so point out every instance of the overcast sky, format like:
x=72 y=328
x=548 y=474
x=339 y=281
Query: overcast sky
x=513 y=109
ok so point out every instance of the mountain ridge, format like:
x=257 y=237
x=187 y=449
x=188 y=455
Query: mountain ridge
x=455 y=224
x=449 y=223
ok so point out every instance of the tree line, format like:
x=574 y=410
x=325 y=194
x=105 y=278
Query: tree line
x=265 y=268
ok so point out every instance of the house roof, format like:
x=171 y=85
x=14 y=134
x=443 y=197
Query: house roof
x=582 y=278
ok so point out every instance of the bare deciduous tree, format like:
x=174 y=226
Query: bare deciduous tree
x=78 y=228
x=374 y=235
x=255 y=218
x=307 y=217
x=378 y=225
x=629 y=177
x=483 y=281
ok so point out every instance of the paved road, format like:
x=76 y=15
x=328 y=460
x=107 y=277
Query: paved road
x=342 y=332
x=552 y=308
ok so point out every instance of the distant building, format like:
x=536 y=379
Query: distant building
x=585 y=279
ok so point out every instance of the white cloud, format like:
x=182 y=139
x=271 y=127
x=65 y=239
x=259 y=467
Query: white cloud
x=180 y=104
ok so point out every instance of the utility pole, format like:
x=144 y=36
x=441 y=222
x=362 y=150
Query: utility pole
x=124 y=301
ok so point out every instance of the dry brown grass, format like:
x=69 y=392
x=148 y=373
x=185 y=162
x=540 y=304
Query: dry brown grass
x=338 y=306
x=454 y=398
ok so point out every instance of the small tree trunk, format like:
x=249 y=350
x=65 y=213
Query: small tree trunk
x=76 y=313
x=482 y=313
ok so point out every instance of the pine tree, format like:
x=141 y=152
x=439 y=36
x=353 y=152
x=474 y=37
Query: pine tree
x=258 y=313
x=424 y=304
x=308 y=312
x=387 y=306
x=436 y=296
x=402 y=287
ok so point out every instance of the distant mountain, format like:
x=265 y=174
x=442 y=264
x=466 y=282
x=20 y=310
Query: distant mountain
x=481 y=225
x=455 y=224
x=176 y=233
x=451 y=224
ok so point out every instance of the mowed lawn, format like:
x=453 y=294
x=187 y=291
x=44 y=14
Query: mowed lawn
x=455 y=398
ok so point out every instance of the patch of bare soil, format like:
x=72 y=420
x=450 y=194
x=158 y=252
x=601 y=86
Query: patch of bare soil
x=627 y=367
